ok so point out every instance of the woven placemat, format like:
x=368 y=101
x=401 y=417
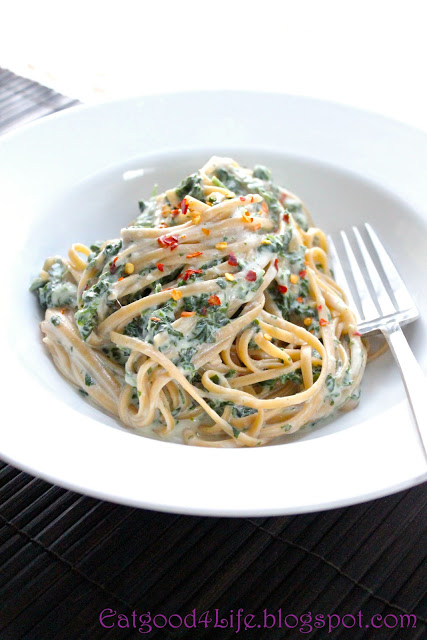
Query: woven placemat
x=65 y=558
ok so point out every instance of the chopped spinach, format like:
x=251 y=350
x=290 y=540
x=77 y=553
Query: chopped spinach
x=240 y=411
x=330 y=382
x=191 y=186
x=278 y=243
x=153 y=321
x=59 y=290
x=88 y=380
x=262 y=172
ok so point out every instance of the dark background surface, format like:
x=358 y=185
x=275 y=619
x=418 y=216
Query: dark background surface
x=65 y=557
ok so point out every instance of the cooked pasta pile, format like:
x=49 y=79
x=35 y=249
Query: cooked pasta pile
x=213 y=319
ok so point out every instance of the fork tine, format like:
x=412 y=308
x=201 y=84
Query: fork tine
x=341 y=279
x=383 y=299
x=369 y=309
x=400 y=292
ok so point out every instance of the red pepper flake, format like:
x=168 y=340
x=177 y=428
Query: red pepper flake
x=203 y=311
x=302 y=273
x=113 y=267
x=276 y=264
x=242 y=198
x=323 y=322
x=194 y=255
x=175 y=212
x=232 y=260
x=62 y=310
x=184 y=206
x=264 y=207
x=189 y=273
x=357 y=333
x=299 y=299
x=282 y=288
x=163 y=226
x=168 y=241
x=160 y=266
x=86 y=286
x=286 y=218
x=121 y=278
x=214 y=301
x=252 y=198
x=251 y=276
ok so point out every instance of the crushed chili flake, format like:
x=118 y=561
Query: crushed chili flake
x=187 y=314
x=286 y=218
x=205 y=231
x=214 y=301
x=189 y=273
x=323 y=322
x=176 y=295
x=113 y=267
x=194 y=255
x=282 y=288
x=163 y=226
x=86 y=286
x=184 y=206
x=251 y=276
x=121 y=278
x=242 y=198
x=299 y=299
x=168 y=241
x=232 y=260
x=357 y=333
x=160 y=266
x=302 y=273
x=264 y=207
x=62 y=310
x=155 y=319
x=175 y=212
x=276 y=264
x=252 y=198
x=319 y=307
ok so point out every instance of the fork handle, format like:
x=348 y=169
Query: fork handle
x=412 y=376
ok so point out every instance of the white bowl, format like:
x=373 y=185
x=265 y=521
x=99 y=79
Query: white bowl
x=77 y=176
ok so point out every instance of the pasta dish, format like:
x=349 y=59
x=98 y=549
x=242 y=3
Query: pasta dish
x=214 y=319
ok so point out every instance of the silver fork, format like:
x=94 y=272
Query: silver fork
x=382 y=303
